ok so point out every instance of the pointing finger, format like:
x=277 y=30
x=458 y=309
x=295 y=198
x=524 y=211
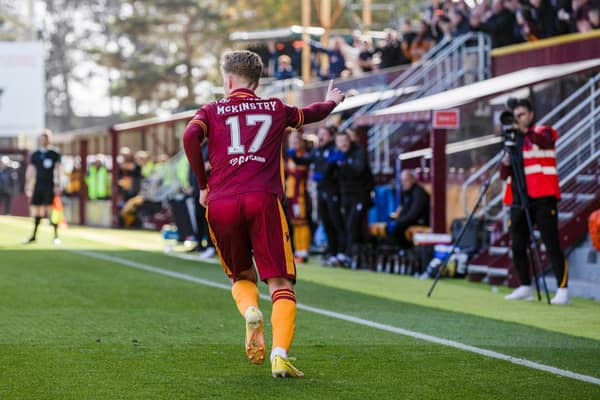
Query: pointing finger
x=330 y=88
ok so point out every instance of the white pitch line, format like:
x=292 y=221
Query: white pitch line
x=356 y=320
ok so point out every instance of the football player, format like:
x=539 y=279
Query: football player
x=244 y=197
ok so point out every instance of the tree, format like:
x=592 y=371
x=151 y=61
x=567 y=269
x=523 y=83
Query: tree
x=159 y=50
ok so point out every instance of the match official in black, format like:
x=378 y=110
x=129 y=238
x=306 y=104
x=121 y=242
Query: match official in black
x=42 y=183
x=535 y=160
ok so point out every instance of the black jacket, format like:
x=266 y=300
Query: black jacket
x=355 y=175
x=415 y=206
x=501 y=28
x=324 y=172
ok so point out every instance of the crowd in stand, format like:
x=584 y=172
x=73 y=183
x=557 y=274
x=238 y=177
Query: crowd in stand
x=506 y=21
x=338 y=170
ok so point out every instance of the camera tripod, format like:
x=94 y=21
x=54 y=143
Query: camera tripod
x=518 y=188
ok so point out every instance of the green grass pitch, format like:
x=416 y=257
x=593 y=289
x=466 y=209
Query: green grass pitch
x=79 y=327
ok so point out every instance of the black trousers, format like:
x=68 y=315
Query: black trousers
x=400 y=234
x=354 y=210
x=329 y=209
x=5 y=200
x=201 y=223
x=544 y=214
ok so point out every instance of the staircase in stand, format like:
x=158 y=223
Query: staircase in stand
x=463 y=60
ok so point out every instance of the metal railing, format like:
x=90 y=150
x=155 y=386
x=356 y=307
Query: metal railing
x=287 y=90
x=433 y=69
x=577 y=119
x=454 y=63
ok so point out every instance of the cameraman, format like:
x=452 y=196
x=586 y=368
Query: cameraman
x=534 y=159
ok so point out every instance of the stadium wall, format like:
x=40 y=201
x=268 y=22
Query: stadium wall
x=557 y=50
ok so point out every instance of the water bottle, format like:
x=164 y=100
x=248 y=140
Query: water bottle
x=170 y=237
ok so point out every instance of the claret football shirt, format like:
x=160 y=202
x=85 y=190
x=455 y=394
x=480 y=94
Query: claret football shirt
x=245 y=137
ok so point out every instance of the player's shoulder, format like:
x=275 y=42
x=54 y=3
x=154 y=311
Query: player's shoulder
x=203 y=110
x=276 y=103
x=54 y=150
x=214 y=104
x=276 y=99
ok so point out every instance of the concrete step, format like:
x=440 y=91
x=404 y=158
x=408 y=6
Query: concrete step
x=583 y=288
x=578 y=196
x=584 y=263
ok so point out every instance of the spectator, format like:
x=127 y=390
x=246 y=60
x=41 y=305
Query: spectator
x=587 y=16
x=581 y=10
x=463 y=8
x=142 y=158
x=594 y=17
x=352 y=163
x=523 y=21
x=325 y=174
x=337 y=61
x=365 y=57
x=73 y=185
x=422 y=43
x=413 y=209
x=408 y=35
x=445 y=29
x=98 y=180
x=296 y=56
x=200 y=227
x=284 y=68
x=501 y=25
x=297 y=197
x=130 y=175
x=435 y=9
x=527 y=31
x=391 y=51
x=544 y=18
x=275 y=50
x=7 y=184
x=460 y=23
x=564 y=14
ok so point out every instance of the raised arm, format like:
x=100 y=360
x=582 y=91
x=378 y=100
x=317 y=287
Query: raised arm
x=319 y=110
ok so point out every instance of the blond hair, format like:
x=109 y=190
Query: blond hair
x=243 y=63
x=284 y=58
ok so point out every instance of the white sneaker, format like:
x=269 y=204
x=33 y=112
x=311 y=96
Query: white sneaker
x=521 y=293
x=343 y=260
x=57 y=241
x=332 y=261
x=208 y=253
x=561 y=296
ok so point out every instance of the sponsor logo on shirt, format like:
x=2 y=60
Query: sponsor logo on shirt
x=237 y=161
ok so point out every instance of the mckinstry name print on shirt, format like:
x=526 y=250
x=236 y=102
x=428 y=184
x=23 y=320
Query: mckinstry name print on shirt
x=252 y=105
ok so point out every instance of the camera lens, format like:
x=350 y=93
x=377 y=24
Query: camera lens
x=507 y=118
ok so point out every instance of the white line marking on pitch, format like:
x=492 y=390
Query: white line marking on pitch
x=356 y=320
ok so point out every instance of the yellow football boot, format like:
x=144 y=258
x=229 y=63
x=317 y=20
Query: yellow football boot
x=283 y=367
x=255 y=337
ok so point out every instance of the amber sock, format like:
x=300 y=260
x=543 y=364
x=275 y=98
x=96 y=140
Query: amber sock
x=283 y=318
x=245 y=294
